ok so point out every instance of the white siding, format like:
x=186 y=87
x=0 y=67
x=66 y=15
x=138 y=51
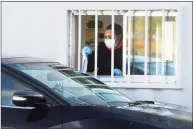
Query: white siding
x=40 y=29
x=34 y=29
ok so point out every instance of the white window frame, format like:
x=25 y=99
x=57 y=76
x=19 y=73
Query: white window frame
x=133 y=81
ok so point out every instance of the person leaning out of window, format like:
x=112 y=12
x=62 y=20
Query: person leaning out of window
x=104 y=52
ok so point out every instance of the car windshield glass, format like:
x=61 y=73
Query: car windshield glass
x=87 y=80
x=111 y=96
x=64 y=82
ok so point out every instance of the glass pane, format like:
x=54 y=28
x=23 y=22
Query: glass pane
x=9 y=86
x=73 y=73
x=154 y=45
x=154 y=40
x=113 y=97
x=73 y=91
x=137 y=44
x=88 y=80
x=170 y=45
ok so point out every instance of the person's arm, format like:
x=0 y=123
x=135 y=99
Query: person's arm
x=84 y=63
x=87 y=55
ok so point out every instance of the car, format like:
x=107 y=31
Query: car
x=43 y=94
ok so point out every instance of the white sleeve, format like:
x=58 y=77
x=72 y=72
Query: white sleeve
x=84 y=63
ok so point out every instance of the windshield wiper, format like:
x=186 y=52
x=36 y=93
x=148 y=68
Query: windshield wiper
x=126 y=103
x=135 y=103
x=145 y=102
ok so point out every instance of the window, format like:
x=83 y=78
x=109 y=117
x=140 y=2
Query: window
x=149 y=44
x=63 y=82
x=9 y=86
x=113 y=97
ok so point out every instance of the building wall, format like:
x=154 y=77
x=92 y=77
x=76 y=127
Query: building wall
x=40 y=29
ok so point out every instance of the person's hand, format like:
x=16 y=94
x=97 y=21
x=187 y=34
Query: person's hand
x=87 y=51
x=117 y=72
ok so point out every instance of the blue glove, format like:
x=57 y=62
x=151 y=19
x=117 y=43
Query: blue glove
x=87 y=51
x=117 y=72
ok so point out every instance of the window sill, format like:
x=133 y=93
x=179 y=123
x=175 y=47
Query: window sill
x=141 y=82
x=144 y=85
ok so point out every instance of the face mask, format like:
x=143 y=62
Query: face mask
x=108 y=43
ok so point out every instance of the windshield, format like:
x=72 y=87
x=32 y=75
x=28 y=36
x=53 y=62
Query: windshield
x=65 y=82
x=112 y=96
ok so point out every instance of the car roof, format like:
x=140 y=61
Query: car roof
x=17 y=60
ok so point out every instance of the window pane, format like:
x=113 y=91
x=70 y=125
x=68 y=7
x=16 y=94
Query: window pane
x=137 y=44
x=112 y=96
x=170 y=45
x=73 y=73
x=154 y=40
x=70 y=88
x=9 y=86
x=137 y=41
x=88 y=80
x=154 y=45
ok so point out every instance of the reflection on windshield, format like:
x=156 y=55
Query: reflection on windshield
x=62 y=83
x=72 y=73
x=88 y=80
x=113 y=97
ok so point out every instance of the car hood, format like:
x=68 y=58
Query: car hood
x=164 y=109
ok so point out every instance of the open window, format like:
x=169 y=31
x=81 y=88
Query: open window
x=149 y=54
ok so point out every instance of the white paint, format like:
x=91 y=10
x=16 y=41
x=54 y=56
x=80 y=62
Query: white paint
x=40 y=29
x=96 y=44
x=34 y=29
